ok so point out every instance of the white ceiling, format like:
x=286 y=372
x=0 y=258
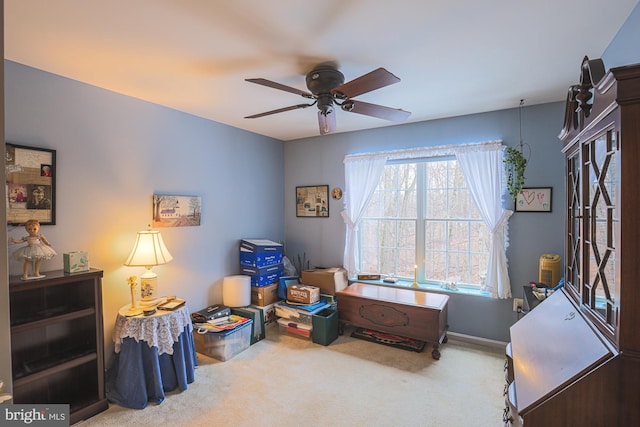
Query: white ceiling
x=453 y=57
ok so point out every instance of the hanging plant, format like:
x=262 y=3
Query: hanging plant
x=515 y=164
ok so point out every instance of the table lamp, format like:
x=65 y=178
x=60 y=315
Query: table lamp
x=149 y=250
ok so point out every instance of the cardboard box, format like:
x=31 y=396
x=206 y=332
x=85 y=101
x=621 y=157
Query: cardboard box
x=260 y=245
x=75 y=262
x=260 y=253
x=329 y=280
x=264 y=295
x=263 y=276
x=223 y=345
x=259 y=259
x=303 y=294
x=285 y=281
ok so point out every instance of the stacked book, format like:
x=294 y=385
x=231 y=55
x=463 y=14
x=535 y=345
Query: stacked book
x=216 y=318
x=226 y=323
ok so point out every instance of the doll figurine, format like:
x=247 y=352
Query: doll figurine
x=133 y=310
x=38 y=248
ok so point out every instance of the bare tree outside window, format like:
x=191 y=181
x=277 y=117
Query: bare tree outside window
x=423 y=214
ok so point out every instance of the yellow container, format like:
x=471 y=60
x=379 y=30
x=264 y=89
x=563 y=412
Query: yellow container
x=549 y=269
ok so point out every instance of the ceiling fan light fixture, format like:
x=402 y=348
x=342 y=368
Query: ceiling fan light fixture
x=326 y=122
x=326 y=85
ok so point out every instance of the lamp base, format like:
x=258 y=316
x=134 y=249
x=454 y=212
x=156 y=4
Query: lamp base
x=148 y=289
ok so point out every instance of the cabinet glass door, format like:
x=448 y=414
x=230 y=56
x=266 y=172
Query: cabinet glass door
x=601 y=227
x=574 y=224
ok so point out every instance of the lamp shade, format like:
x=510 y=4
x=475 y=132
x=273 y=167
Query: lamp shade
x=149 y=250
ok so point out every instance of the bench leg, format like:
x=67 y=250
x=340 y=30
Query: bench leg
x=435 y=353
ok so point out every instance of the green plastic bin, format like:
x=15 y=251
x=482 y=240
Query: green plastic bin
x=325 y=326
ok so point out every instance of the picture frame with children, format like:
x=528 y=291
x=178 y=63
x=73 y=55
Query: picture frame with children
x=31 y=184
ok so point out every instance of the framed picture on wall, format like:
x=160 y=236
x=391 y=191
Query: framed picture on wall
x=534 y=200
x=31 y=184
x=312 y=201
x=172 y=210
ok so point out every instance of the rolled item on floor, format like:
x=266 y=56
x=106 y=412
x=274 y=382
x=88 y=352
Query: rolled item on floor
x=236 y=291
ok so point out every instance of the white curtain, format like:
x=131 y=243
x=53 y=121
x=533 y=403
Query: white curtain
x=361 y=179
x=483 y=170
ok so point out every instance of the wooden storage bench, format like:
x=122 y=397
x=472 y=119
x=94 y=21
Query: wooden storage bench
x=405 y=312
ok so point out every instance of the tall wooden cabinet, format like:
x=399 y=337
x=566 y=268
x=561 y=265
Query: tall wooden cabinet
x=575 y=359
x=57 y=345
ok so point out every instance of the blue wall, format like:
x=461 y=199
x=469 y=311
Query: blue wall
x=625 y=47
x=114 y=152
x=318 y=160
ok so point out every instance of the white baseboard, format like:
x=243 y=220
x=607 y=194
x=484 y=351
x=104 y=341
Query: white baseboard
x=477 y=340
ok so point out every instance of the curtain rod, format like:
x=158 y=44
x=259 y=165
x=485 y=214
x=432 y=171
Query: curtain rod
x=414 y=153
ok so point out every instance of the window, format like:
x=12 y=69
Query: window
x=422 y=213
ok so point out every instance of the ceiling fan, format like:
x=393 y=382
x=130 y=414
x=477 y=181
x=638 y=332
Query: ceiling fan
x=327 y=88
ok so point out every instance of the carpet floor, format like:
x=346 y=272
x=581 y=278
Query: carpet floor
x=288 y=381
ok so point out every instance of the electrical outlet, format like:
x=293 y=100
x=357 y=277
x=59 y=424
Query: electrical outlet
x=517 y=304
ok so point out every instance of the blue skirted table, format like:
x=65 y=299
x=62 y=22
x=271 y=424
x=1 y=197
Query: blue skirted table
x=153 y=355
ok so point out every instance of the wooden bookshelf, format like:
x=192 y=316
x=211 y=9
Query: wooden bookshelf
x=57 y=345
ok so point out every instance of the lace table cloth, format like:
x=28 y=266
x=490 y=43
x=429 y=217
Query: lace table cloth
x=160 y=330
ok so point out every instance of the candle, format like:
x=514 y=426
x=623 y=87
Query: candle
x=415 y=274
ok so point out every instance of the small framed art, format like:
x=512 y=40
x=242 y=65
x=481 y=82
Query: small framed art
x=312 y=201
x=534 y=200
x=31 y=184
x=171 y=210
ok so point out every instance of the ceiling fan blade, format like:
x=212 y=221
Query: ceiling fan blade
x=379 y=111
x=327 y=122
x=279 y=110
x=376 y=79
x=274 y=85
